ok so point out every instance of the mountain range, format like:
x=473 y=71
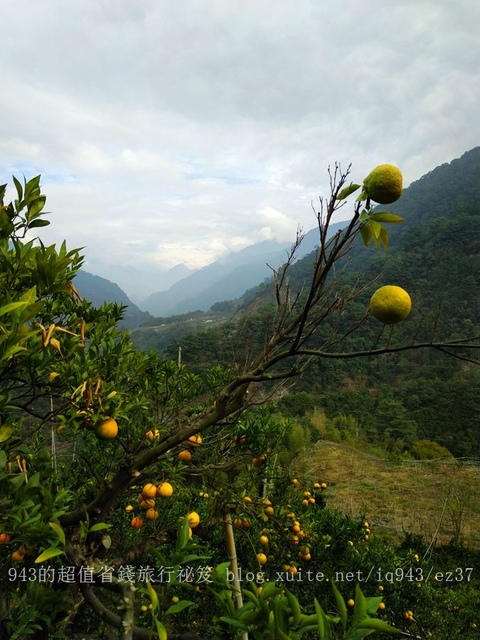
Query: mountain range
x=229 y=278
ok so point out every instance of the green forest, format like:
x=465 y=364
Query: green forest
x=395 y=400
x=266 y=477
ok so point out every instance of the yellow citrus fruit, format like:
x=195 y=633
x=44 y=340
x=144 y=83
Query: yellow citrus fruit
x=390 y=304
x=185 y=455
x=351 y=602
x=247 y=500
x=165 y=490
x=106 y=429
x=18 y=555
x=193 y=519
x=261 y=558
x=269 y=511
x=129 y=507
x=384 y=184
x=263 y=541
x=175 y=599
x=195 y=441
x=152 y=435
x=151 y=514
x=149 y=491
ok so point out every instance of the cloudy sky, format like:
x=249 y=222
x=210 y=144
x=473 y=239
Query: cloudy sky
x=171 y=131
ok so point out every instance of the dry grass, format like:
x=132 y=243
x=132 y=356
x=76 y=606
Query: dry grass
x=438 y=499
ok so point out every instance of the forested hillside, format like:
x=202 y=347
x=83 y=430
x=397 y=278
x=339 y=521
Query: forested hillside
x=396 y=399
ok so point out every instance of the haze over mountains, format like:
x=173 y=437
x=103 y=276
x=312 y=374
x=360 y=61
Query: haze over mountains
x=229 y=278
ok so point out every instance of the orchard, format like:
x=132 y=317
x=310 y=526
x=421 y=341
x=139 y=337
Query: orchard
x=142 y=500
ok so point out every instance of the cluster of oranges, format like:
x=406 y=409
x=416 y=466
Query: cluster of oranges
x=17 y=555
x=146 y=502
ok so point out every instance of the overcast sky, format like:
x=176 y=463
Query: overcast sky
x=171 y=131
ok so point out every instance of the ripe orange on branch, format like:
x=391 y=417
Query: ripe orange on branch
x=164 y=490
x=384 y=184
x=390 y=304
x=106 y=429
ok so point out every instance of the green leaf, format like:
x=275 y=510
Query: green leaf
x=322 y=622
x=153 y=596
x=384 y=216
x=51 y=552
x=6 y=431
x=357 y=634
x=341 y=606
x=372 y=603
x=11 y=306
x=360 y=609
x=182 y=534
x=384 y=237
x=363 y=196
x=347 y=191
x=294 y=607
x=161 y=630
x=270 y=589
x=219 y=573
x=234 y=623
x=18 y=187
x=3 y=460
x=100 y=526
x=377 y=625
x=38 y=223
x=35 y=207
x=59 y=531
x=179 y=606
x=366 y=234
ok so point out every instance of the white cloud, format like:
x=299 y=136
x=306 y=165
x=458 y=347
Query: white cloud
x=177 y=132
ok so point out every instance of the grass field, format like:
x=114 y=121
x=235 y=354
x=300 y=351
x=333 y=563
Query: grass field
x=437 y=499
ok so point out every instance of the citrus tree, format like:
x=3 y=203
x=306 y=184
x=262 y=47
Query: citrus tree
x=97 y=437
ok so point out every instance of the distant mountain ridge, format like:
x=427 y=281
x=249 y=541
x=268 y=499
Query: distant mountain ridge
x=229 y=278
x=98 y=290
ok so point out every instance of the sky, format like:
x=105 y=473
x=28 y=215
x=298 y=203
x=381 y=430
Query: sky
x=179 y=131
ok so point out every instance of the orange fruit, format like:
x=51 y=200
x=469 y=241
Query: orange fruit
x=136 y=523
x=4 y=538
x=151 y=514
x=269 y=511
x=106 y=429
x=149 y=491
x=129 y=507
x=384 y=184
x=147 y=504
x=258 y=461
x=18 y=555
x=185 y=455
x=195 y=441
x=261 y=558
x=193 y=519
x=165 y=490
x=152 y=435
x=390 y=304
x=263 y=541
